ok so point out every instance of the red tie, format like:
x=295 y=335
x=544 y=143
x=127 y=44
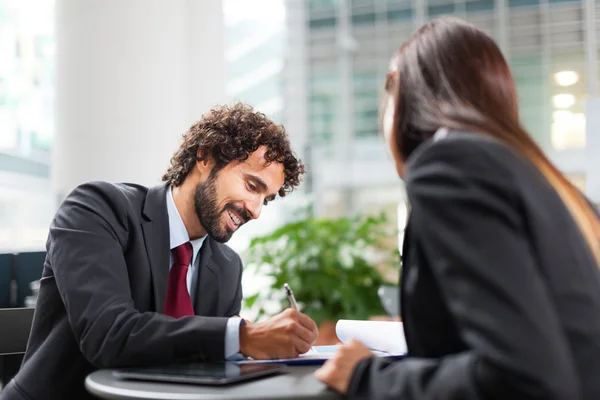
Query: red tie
x=178 y=302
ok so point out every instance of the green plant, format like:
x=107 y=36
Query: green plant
x=334 y=266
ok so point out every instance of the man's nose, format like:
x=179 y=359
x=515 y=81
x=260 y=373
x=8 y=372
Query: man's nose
x=254 y=207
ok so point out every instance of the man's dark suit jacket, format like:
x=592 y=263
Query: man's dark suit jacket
x=500 y=294
x=103 y=290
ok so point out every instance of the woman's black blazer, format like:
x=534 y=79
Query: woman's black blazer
x=500 y=294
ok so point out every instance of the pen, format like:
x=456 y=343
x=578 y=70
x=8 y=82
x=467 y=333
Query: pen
x=292 y=299
x=290 y=296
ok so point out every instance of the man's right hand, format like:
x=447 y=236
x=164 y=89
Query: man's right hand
x=286 y=335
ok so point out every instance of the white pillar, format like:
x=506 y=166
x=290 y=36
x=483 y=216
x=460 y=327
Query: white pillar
x=344 y=134
x=132 y=76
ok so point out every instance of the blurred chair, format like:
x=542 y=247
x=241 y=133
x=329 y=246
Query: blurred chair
x=28 y=268
x=16 y=323
x=5 y=279
x=390 y=300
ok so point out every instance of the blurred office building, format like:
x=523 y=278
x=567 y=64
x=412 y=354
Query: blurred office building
x=26 y=121
x=82 y=101
x=338 y=54
x=255 y=50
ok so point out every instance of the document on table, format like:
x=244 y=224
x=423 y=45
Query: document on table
x=384 y=338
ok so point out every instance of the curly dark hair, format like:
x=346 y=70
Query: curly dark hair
x=232 y=133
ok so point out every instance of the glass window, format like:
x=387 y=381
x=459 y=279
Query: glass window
x=322 y=23
x=322 y=105
x=399 y=3
x=364 y=19
x=322 y=4
x=523 y=3
x=400 y=15
x=323 y=102
x=366 y=102
x=359 y=3
x=479 y=5
x=323 y=82
x=440 y=9
x=369 y=81
x=528 y=73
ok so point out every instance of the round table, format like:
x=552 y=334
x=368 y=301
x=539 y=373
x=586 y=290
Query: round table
x=298 y=383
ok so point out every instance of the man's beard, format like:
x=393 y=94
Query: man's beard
x=209 y=214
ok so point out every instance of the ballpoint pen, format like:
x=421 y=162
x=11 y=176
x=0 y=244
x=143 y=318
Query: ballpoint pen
x=292 y=299
x=290 y=296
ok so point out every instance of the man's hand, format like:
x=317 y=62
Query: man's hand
x=286 y=335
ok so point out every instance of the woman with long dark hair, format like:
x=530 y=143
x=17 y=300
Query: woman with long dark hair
x=500 y=277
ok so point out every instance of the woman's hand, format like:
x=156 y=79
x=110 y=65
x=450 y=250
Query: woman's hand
x=337 y=371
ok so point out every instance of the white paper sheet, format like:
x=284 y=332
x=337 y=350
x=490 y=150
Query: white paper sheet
x=385 y=336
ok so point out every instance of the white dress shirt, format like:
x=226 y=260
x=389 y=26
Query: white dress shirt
x=178 y=236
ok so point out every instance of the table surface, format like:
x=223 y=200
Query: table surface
x=297 y=384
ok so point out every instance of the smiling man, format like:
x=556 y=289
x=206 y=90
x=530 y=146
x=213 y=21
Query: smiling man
x=137 y=276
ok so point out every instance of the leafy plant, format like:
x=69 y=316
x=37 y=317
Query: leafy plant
x=334 y=266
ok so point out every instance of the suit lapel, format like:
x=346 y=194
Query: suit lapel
x=207 y=289
x=406 y=244
x=156 y=239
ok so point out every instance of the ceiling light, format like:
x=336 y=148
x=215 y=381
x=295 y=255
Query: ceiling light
x=564 y=100
x=566 y=78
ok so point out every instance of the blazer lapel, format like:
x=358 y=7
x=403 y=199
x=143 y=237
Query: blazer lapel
x=406 y=244
x=207 y=289
x=156 y=239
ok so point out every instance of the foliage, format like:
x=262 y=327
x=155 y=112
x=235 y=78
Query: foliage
x=334 y=266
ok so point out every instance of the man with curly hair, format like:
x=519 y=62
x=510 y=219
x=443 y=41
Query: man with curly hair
x=140 y=276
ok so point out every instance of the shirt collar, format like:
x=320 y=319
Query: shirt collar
x=440 y=134
x=178 y=233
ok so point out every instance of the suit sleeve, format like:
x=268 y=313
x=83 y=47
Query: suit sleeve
x=236 y=305
x=465 y=216
x=86 y=247
x=232 y=336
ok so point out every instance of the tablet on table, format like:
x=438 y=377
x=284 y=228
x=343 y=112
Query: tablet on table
x=201 y=373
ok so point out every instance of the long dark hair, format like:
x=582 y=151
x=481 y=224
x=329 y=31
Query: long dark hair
x=451 y=74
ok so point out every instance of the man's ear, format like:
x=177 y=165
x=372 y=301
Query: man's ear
x=204 y=163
